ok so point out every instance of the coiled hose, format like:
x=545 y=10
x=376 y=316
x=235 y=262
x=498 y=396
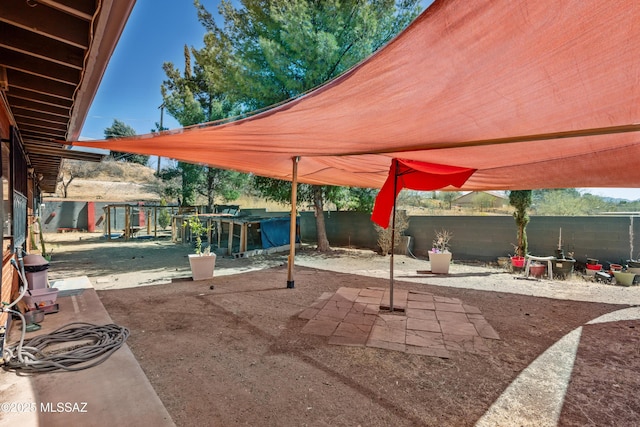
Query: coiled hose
x=93 y=344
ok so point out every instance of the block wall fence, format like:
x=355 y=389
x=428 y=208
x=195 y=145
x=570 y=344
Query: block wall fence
x=484 y=238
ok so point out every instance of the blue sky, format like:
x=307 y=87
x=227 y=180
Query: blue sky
x=156 y=32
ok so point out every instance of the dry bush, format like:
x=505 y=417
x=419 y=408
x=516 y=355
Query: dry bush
x=384 y=234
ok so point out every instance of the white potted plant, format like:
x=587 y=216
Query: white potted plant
x=202 y=262
x=440 y=255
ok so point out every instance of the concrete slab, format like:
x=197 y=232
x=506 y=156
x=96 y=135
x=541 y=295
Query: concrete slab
x=72 y=285
x=116 y=392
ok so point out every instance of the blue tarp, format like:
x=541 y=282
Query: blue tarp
x=275 y=232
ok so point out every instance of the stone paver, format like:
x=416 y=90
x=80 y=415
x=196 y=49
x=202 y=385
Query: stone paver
x=425 y=305
x=449 y=316
x=416 y=313
x=446 y=306
x=309 y=313
x=424 y=323
x=484 y=329
x=420 y=296
x=457 y=328
x=323 y=328
x=425 y=339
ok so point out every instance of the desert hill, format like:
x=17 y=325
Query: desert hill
x=115 y=181
x=107 y=181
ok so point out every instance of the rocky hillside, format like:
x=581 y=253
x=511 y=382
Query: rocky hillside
x=109 y=181
x=112 y=181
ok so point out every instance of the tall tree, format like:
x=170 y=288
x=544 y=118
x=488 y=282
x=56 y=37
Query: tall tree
x=268 y=52
x=191 y=98
x=521 y=200
x=120 y=129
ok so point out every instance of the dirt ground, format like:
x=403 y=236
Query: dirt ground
x=234 y=354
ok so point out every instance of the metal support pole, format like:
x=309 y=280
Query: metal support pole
x=393 y=235
x=292 y=229
x=160 y=130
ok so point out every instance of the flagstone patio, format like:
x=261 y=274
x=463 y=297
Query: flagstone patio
x=421 y=322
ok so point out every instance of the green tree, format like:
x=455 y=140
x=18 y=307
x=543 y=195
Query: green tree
x=521 y=200
x=164 y=217
x=449 y=196
x=194 y=97
x=482 y=201
x=569 y=201
x=118 y=130
x=267 y=52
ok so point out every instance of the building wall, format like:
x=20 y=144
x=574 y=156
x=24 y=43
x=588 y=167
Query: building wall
x=6 y=278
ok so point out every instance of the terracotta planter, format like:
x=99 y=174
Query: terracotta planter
x=440 y=262
x=202 y=266
x=615 y=267
x=537 y=270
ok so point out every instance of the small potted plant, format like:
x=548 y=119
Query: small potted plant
x=559 y=250
x=440 y=255
x=521 y=200
x=517 y=260
x=202 y=262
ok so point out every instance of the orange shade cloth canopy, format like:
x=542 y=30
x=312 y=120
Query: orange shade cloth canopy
x=531 y=94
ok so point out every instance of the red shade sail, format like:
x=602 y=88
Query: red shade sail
x=530 y=93
x=415 y=176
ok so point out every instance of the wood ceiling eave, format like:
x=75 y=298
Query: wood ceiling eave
x=46 y=48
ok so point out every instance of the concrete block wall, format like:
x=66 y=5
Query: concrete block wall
x=482 y=238
x=82 y=216
x=485 y=238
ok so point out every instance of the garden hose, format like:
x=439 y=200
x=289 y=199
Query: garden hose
x=90 y=344
x=31 y=357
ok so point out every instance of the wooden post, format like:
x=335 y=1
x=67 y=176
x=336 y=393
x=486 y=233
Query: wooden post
x=108 y=208
x=219 y=231
x=230 y=242
x=292 y=228
x=243 y=237
x=127 y=222
x=107 y=222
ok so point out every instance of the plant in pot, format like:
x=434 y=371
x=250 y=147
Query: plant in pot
x=563 y=266
x=593 y=266
x=517 y=261
x=440 y=255
x=521 y=200
x=202 y=262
